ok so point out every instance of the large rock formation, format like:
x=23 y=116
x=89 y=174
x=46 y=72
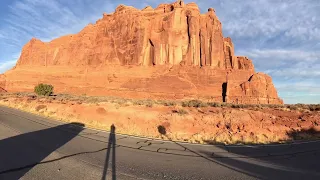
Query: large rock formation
x=170 y=51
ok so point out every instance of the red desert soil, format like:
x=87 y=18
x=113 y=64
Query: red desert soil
x=197 y=125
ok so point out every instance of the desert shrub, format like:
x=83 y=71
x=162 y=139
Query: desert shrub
x=311 y=108
x=185 y=104
x=302 y=106
x=38 y=108
x=292 y=107
x=43 y=89
x=246 y=105
x=169 y=103
x=149 y=104
x=214 y=104
x=235 y=105
x=92 y=100
x=138 y=102
x=257 y=106
x=224 y=104
x=194 y=103
x=165 y=103
x=62 y=97
x=180 y=112
x=314 y=107
x=119 y=101
x=272 y=106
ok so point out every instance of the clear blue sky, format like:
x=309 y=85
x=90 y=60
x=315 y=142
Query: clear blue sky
x=281 y=37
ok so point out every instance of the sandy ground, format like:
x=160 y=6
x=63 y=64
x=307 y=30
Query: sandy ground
x=197 y=125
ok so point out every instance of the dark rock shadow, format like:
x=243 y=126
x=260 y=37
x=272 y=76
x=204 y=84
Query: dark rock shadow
x=111 y=146
x=19 y=154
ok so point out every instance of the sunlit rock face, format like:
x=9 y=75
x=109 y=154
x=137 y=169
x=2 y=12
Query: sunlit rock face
x=173 y=51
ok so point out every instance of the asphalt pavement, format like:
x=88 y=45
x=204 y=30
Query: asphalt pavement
x=33 y=147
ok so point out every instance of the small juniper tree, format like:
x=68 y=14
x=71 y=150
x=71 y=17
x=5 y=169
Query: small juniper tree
x=43 y=89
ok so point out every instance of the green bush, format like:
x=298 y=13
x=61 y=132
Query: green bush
x=43 y=89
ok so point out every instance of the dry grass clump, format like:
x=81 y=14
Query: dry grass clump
x=147 y=102
x=39 y=107
x=181 y=112
x=215 y=104
x=194 y=103
x=166 y=103
x=310 y=107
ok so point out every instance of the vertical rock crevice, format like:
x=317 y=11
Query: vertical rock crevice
x=151 y=49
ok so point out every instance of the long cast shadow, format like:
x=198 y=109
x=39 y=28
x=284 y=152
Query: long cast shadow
x=286 y=161
x=162 y=130
x=19 y=154
x=111 y=145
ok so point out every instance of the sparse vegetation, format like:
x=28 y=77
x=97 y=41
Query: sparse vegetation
x=169 y=103
x=38 y=108
x=53 y=106
x=138 y=102
x=292 y=107
x=119 y=101
x=149 y=104
x=181 y=112
x=194 y=103
x=214 y=104
x=309 y=107
x=43 y=89
x=236 y=106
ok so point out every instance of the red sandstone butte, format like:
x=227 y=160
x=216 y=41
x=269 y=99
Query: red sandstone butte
x=170 y=52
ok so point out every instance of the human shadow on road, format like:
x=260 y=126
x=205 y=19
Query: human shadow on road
x=111 y=146
x=19 y=154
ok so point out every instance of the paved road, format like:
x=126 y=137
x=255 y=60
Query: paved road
x=32 y=147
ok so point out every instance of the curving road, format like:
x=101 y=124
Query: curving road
x=32 y=147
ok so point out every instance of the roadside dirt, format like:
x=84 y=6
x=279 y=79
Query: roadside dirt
x=197 y=125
